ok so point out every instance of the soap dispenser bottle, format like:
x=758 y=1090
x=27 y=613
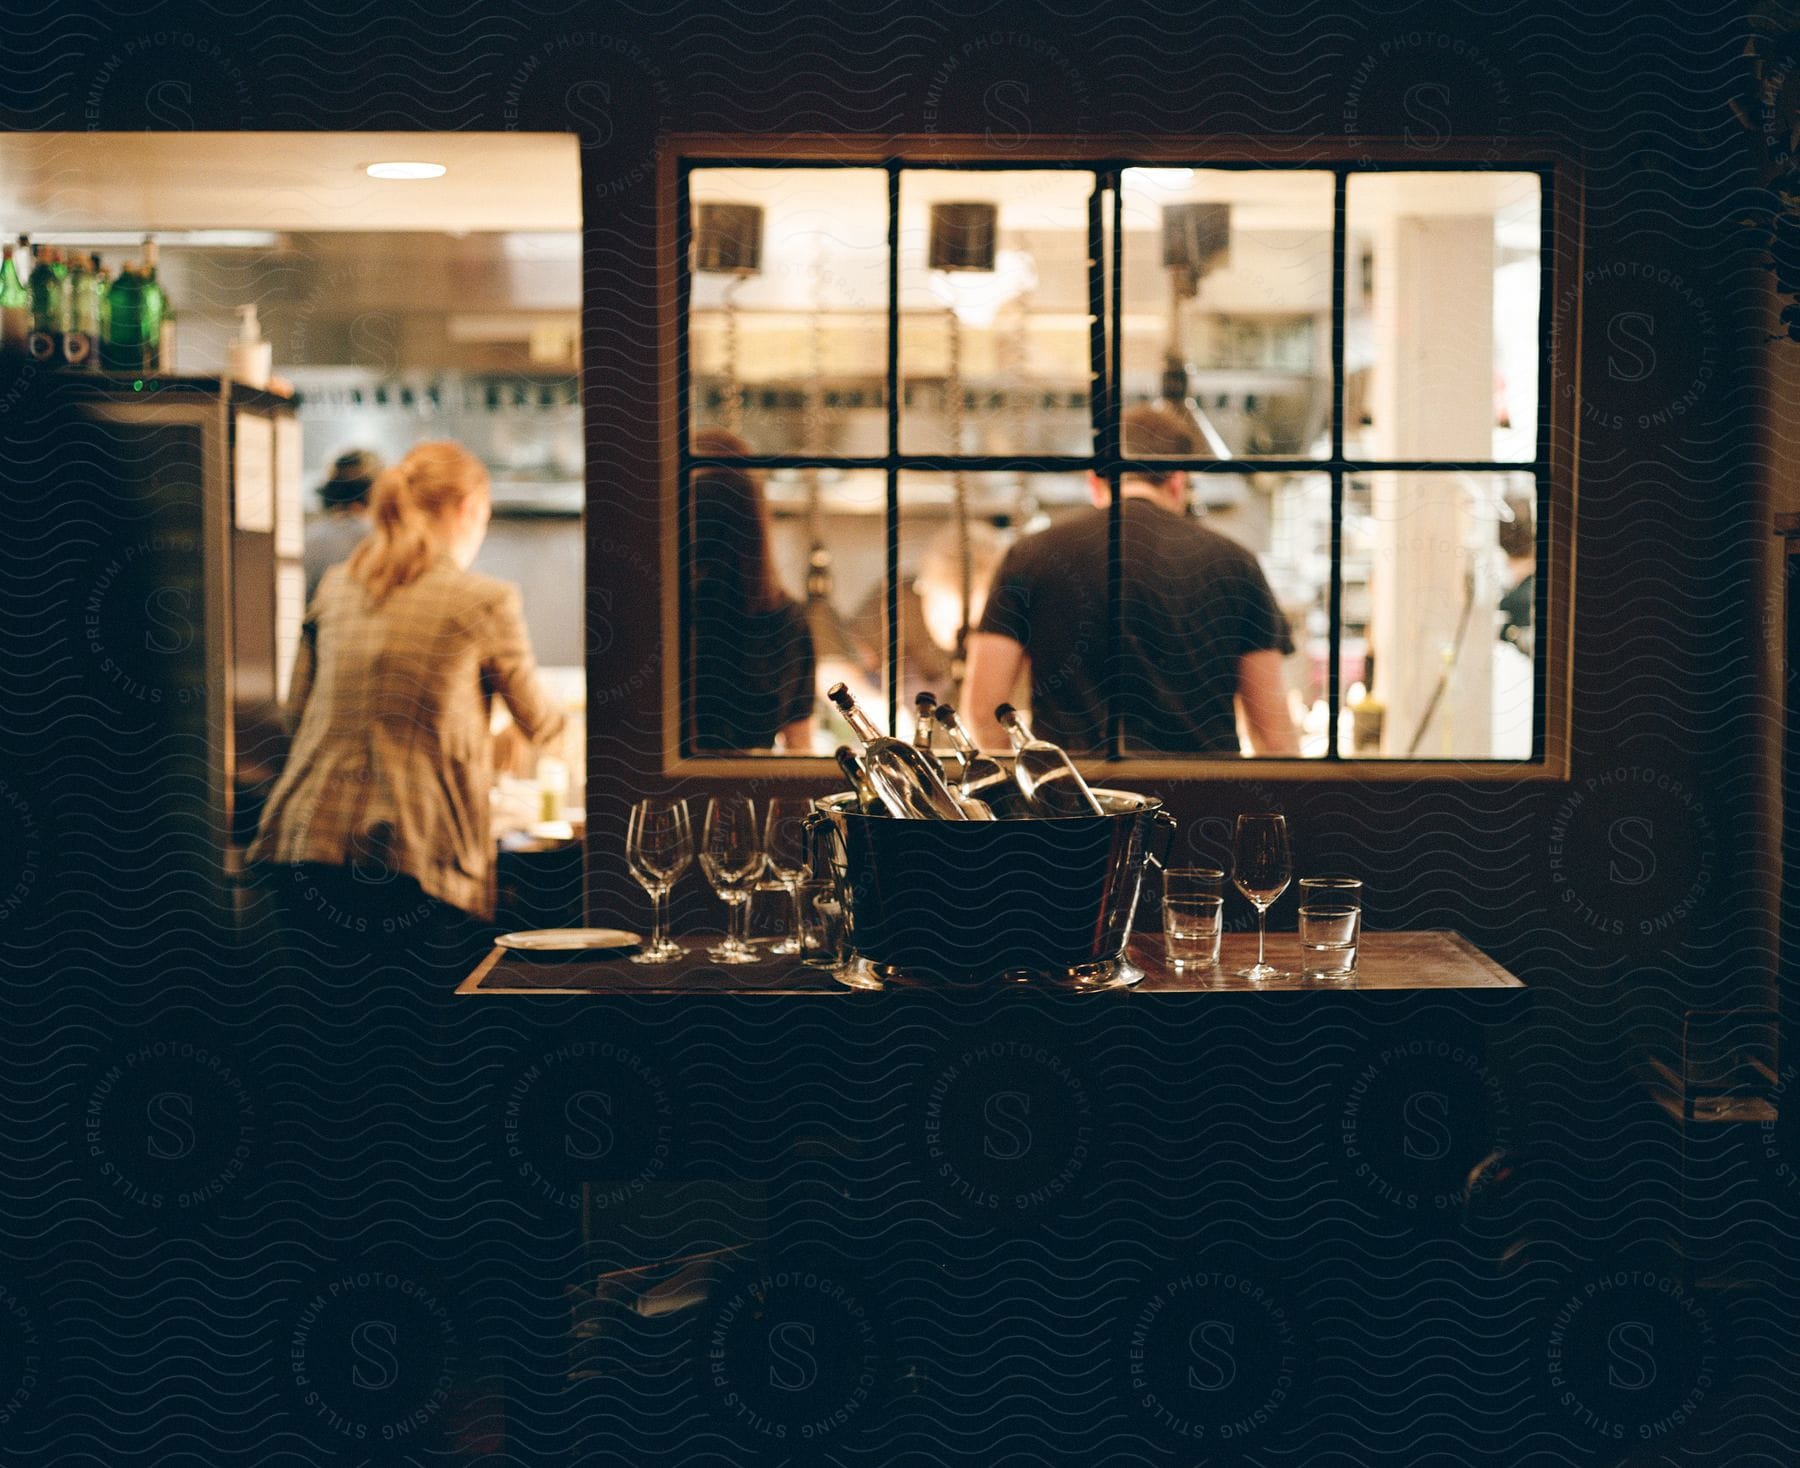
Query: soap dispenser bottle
x=250 y=357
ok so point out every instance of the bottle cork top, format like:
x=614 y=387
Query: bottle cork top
x=839 y=695
x=945 y=714
x=1005 y=713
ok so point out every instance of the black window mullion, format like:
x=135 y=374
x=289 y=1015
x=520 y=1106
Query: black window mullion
x=1103 y=407
x=893 y=447
x=1070 y=463
x=1335 y=594
x=1540 y=485
x=684 y=521
x=1115 y=407
x=1334 y=679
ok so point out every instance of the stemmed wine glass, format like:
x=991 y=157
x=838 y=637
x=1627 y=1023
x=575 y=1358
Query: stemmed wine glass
x=784 y=846
x=1261 y=868
x=731 y=855
x=659 y=844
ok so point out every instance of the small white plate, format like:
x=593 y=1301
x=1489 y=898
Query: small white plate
x=568 y=940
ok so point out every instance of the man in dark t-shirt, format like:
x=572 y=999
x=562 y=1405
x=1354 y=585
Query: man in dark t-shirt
x=1200 y=626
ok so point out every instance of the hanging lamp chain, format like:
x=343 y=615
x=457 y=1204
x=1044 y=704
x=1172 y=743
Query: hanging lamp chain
x=734 y=395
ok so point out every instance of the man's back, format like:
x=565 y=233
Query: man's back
x=1194 y=604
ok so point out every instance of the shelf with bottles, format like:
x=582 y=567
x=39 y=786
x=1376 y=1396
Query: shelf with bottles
x=60 y=309
x=793 y=394
x=998 y=497
x=332 y=389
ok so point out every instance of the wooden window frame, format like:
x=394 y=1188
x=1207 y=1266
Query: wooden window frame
x=1559 y=411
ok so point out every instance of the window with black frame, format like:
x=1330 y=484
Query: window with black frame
x=1193 y=462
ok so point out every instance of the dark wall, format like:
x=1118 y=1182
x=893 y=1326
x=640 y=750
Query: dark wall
x=369 y=1160
x=1638 y=884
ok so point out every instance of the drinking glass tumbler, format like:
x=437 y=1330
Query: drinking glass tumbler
x=1181 y=887
x=821 y=922
x=1192 y=927
x=1330 y=927
x=1193 y=882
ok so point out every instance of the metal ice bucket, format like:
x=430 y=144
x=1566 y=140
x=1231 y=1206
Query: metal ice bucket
x=955 y=901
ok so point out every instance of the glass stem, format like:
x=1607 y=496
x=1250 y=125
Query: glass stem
x=799 y=941
x=659 y=917
x=1262 y=923
x=737 y=925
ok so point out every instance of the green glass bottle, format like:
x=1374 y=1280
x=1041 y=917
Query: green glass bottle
x=15 y=306
x=159 y=316
x=49 y=286
x=81 y=331
x=123 y=345
x=102 y=289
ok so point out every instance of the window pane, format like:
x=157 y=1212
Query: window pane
x=1441 y=316
x=1439 y=582
x=994 y=302
x=1227 y=287
x=999 y=510
x=787 y=331
x=1247 y=570
x=774 y=623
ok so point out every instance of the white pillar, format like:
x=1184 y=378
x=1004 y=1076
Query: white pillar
x=1433 y=399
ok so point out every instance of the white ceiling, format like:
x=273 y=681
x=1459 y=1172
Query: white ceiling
x=286 y=181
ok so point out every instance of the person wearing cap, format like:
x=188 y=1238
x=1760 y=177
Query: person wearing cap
x=345 y=497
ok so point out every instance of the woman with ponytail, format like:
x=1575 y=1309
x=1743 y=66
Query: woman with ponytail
x=378 y=827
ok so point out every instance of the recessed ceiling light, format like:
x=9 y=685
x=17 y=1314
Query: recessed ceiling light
x=406 y=170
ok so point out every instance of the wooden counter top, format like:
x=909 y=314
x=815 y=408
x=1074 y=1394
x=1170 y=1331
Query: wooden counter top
x=1432 y=961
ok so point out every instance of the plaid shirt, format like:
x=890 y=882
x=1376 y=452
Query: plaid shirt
x=392 y=761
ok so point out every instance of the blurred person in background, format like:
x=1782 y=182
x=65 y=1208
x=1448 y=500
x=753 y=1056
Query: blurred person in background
x=378 y=829
x=753 y=662
x=937 y=589
x=1201 y=629
x=345 y=497
x=1514 y=680
x=1518 y=543
x=929 y=620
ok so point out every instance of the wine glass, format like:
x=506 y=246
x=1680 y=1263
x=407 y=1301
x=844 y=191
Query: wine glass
x=784 y=847
x=731 y=856
x=659 y=844
x=1261 y=868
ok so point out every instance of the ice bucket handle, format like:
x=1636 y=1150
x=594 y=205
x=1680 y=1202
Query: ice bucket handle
x=1165 y=825
x=816 y=821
